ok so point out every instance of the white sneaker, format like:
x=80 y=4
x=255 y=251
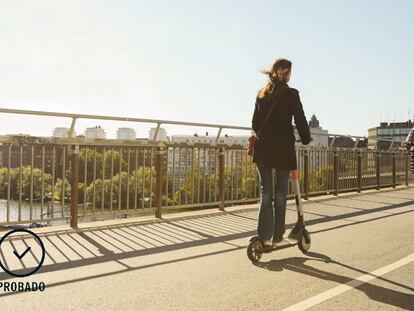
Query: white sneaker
x=284 y=240
x=276 y=242
x=267 y=243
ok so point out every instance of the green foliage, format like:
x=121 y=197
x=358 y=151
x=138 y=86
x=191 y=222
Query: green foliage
x=347 y=166
x=87 y=157
x=60 y=188
x=125 y=189
x=25 y=185
x=201 y=187
x=198 y=188
x=241 y=180
x=319 y=179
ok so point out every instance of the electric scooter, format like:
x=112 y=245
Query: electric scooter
x=256 y=248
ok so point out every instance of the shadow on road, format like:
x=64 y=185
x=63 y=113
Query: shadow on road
x=374 y=292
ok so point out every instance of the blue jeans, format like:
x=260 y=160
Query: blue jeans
x=272 y=224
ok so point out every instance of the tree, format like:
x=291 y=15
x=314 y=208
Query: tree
x=26 y=183
x=87 y=157
x=58 y=190
x=319 y=179
x=137 y=183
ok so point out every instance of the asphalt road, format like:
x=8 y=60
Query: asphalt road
x=362 y=258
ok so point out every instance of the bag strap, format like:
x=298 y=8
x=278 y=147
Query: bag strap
x=270 y=110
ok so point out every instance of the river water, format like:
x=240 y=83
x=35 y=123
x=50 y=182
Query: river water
x=37 y=212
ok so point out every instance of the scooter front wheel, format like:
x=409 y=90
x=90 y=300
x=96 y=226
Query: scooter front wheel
x=304 y=242
x=255 y=250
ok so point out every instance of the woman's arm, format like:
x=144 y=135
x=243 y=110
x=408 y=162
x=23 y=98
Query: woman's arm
x=410 y=137
x=300 y=119
x=255 y=119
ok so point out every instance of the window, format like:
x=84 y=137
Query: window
x=383 y=131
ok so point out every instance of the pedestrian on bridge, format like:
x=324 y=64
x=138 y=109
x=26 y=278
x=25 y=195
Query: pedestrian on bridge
x=276 y=104
x=409 y=140
x=408 y=143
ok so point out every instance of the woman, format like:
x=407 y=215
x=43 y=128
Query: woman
x=409 y=140
x=408 y=143
x=275 y=147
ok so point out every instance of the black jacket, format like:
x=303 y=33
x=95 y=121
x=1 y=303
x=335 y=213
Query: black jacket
x=276 y=143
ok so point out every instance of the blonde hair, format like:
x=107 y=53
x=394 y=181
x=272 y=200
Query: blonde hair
x=279 y=64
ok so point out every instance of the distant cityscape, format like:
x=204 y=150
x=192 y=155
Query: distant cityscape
x=381 y=137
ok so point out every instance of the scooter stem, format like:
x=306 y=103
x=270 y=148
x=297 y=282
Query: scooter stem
x=296 y=186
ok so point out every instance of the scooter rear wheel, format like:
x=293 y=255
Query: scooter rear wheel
x=304 y=242
x=255 y=250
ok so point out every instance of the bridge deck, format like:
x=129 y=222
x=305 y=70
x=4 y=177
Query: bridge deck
x=199 y=262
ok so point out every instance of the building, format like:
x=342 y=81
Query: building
x=180 y=160
x=242 y=140
x=162 y=134
x=320 y=136
x=62 y=132
x=96 y=132
x=126 y=133
x=347 y=142
x=226 y=139
x=394 y=131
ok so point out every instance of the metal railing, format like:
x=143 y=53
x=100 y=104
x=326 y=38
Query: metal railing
x=58 y=179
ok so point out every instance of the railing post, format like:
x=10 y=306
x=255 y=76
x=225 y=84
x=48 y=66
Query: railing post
x=74 y=187
x=336 y=173
x=221 y=179
x=393 y=169
x=359 y=168
x=377 y=166
x=158 y=182
x=306 y=174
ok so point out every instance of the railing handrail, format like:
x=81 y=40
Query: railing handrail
x=158 y=122
x=114 y=118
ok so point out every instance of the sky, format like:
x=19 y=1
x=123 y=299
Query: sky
x=200 y=61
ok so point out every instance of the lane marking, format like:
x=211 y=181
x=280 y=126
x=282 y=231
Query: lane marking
x=315 y=300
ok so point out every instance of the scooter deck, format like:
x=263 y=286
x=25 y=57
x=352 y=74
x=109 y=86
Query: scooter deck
x=281 y=245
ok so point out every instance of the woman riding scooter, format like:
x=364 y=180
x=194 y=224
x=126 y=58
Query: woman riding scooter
x=275 y=147
x=409 y=144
